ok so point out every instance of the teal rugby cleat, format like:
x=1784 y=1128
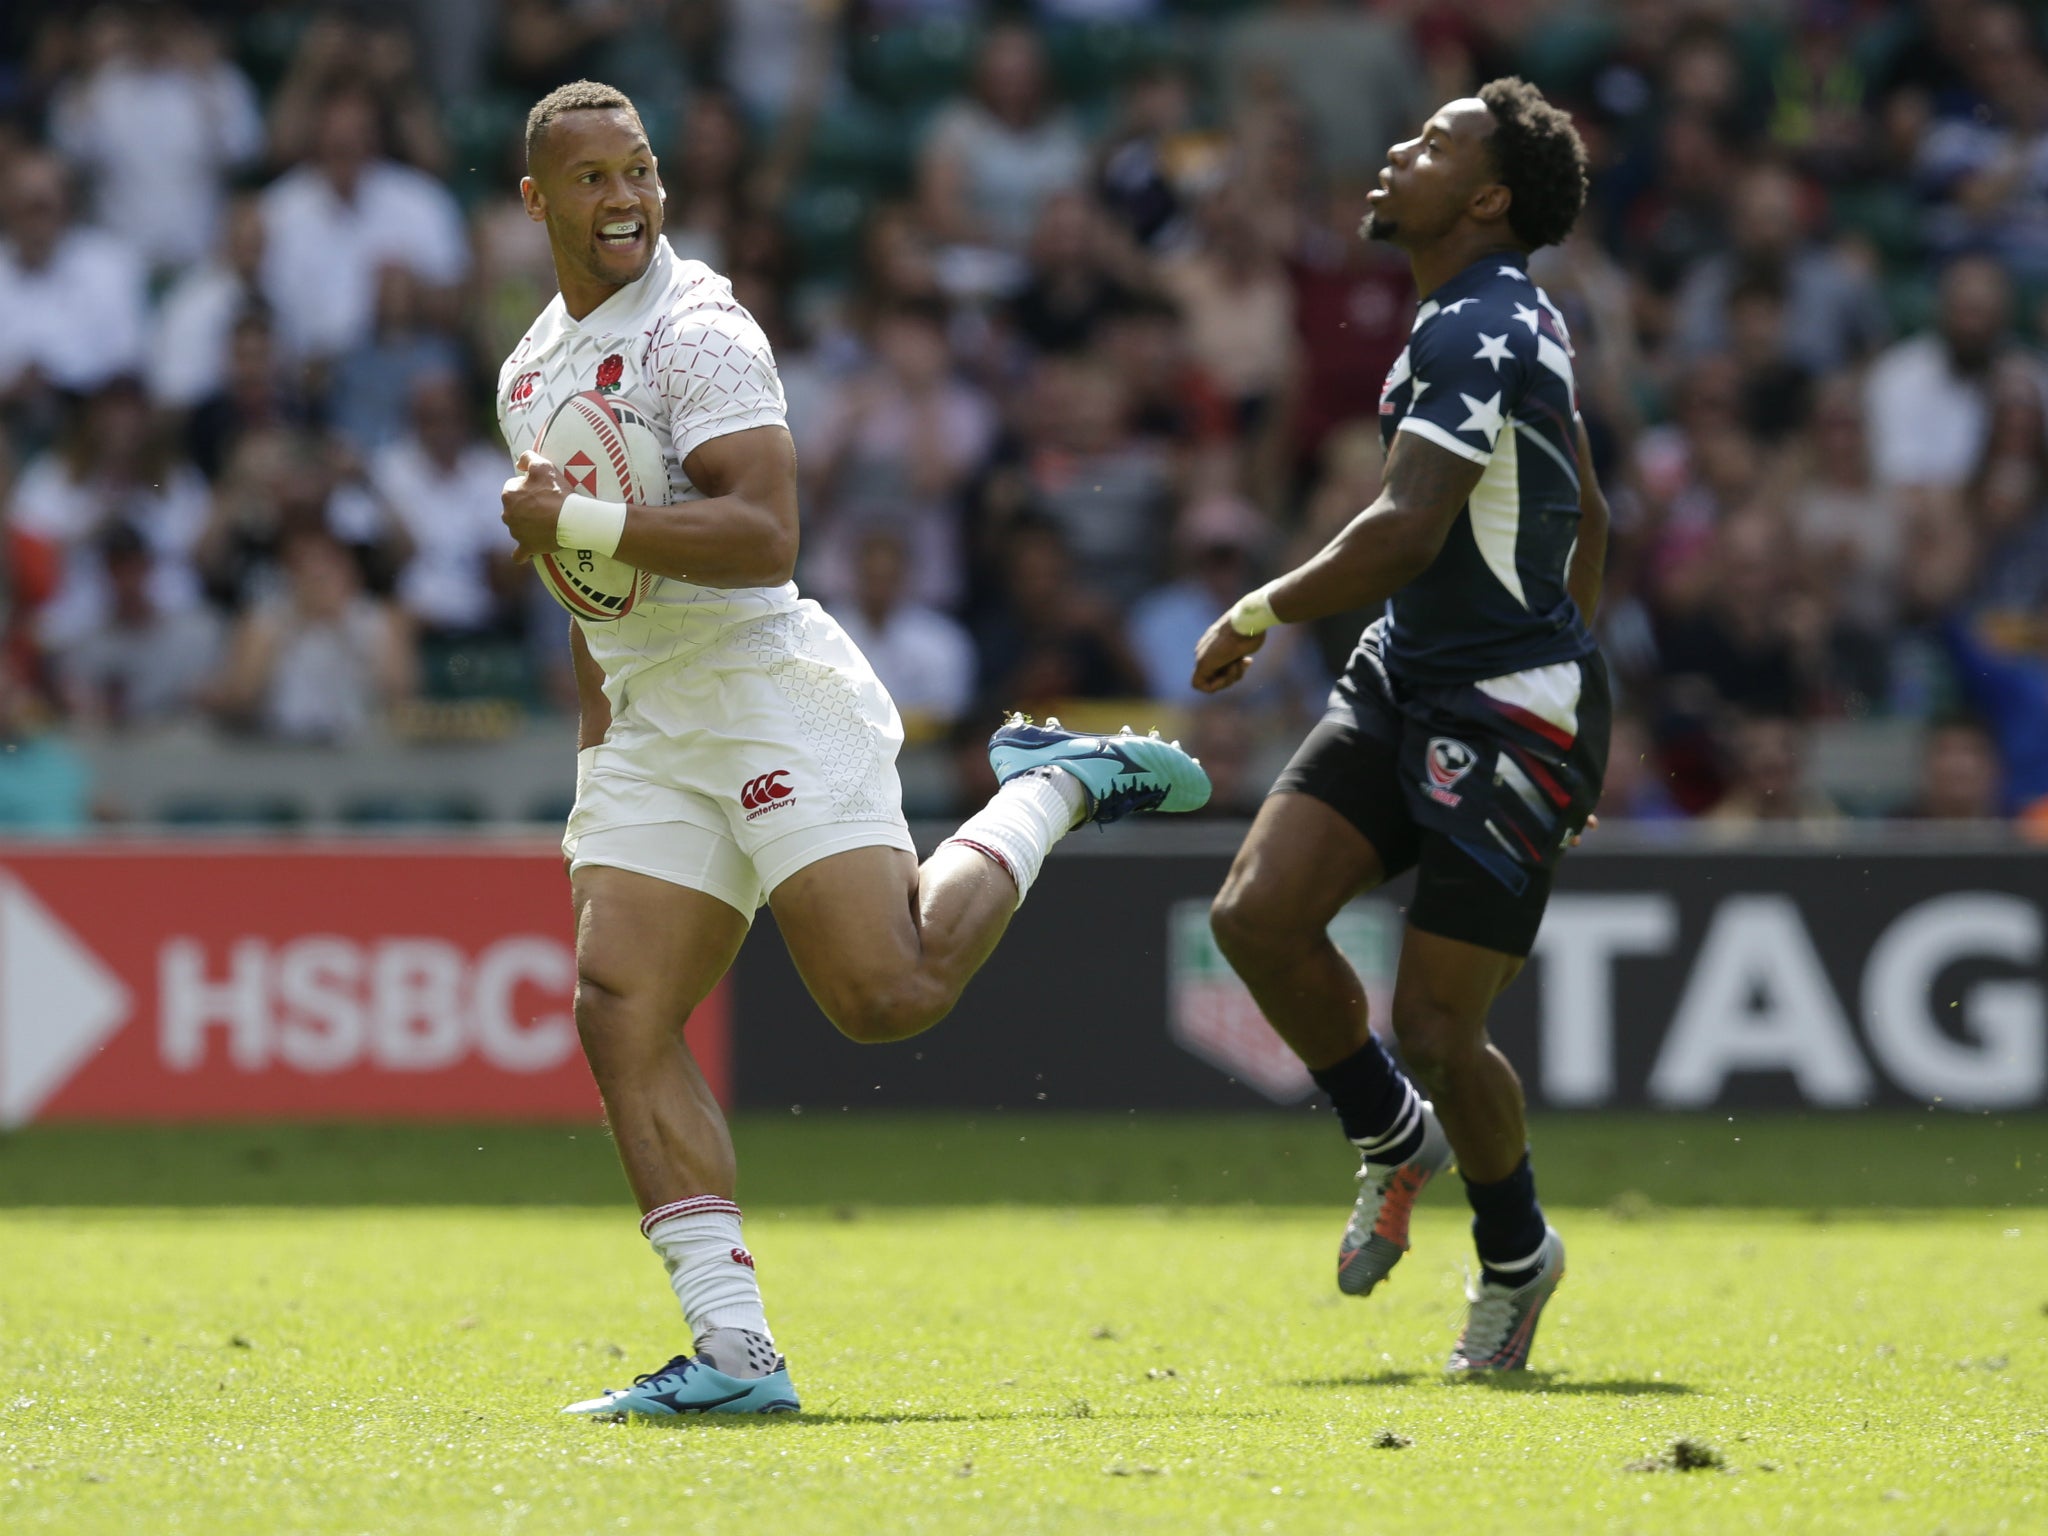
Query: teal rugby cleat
x=687 y=1385
x=1122 y=774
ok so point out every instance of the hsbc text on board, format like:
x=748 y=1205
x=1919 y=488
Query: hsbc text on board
x=195 y=981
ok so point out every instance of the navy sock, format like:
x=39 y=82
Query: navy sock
x=1375 y=1103
x=1507 y=1225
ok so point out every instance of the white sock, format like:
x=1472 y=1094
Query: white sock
x=713 y=1277
x=1019 y=826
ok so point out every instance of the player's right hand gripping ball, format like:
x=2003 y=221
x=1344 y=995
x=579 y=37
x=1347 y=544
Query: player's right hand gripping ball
x=609 y=451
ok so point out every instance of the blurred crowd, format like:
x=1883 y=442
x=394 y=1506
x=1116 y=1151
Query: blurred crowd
x=1079 y=344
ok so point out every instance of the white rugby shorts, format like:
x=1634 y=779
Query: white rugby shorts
x=736 y=766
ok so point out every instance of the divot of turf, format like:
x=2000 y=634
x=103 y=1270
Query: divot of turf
x=1684 y=1454
x=1391 y=1440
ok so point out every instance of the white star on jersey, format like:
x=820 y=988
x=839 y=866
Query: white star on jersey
x=1415 y=389
x=1527 y=316
x=1494 y=349
x=1485 y=418
x=1452 y=309
x=1515 y=272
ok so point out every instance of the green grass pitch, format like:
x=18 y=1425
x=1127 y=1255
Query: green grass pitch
x=1020 y=1324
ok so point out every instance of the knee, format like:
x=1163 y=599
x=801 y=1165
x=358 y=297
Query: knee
x=601 y=1010
x=614 y=1027
x=1248 y=930
x=879 y=1012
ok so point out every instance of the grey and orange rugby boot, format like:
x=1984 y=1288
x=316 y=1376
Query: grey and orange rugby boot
x=1378 y=1232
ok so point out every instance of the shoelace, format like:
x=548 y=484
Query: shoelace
x=679 y=1367
x=1378 y=1177
x=1491 y=1320
x=1123 y=800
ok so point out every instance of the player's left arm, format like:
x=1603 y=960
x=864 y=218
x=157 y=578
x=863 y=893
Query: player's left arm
x=1589 y=555
x=742 y=534
x=1379 y=552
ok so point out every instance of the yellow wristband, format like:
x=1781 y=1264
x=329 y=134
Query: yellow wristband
x=1253 y=613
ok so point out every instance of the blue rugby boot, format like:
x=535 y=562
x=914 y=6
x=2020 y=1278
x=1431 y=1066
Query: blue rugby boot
x=688 y=1385
x=1121 y=774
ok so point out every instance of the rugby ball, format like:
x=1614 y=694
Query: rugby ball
x=607 y=449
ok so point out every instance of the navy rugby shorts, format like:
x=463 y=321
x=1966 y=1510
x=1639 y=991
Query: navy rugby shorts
x=1480 y=786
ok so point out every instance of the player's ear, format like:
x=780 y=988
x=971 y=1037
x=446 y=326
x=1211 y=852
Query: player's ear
x=1491 y=201
x=529 y=194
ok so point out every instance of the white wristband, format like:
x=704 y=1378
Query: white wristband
x=587 y=523
x=1253 y=613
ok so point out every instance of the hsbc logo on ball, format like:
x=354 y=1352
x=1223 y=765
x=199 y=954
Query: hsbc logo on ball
x=581 y=472
x=767 y=793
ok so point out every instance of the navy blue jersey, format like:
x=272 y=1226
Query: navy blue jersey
x=1487 y=375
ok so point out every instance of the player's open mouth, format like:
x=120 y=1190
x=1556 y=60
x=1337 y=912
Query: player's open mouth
x=620 y=233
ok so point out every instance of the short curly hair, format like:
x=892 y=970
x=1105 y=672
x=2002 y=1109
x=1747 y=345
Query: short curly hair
x=576 y=96
x=1540 y=157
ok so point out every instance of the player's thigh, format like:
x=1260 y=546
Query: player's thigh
x=1448 y=984
x=648 y=950
x=848 y=921
x=1470 y=928
x=1335 y=825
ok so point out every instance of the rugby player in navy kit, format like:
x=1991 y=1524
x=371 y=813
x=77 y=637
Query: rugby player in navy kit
x=1468 y=736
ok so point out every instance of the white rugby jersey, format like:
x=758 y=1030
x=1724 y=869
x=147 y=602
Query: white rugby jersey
x=677 y=347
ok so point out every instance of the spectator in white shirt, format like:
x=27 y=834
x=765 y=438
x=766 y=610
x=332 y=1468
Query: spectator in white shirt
x=992 y=160
x=1927 y=399
x=188 y=355
x=898 y=445
x=114 y=465
x=72 y=300
x=442 y=483
x=143 y=665
x=319 y=660
x=333 y=222
x=923 y=658
x=158 y=121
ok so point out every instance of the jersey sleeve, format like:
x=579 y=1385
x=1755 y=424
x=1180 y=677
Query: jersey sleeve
x=717 y=373
x=1467 y=369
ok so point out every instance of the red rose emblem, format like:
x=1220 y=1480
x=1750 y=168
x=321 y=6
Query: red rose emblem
x=610 y=371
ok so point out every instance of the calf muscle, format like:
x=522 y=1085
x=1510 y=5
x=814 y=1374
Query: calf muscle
x=647 y=953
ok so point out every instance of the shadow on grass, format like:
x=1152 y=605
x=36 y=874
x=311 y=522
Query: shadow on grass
x=785 y=1423
x=1638 y=1168
x=1510 y=1381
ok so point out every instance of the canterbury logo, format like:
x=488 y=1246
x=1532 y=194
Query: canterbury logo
x=759 y=794
x=521 y=392
x=741 y=1256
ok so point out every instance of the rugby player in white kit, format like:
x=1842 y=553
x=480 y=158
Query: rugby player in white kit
x=734 y=745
